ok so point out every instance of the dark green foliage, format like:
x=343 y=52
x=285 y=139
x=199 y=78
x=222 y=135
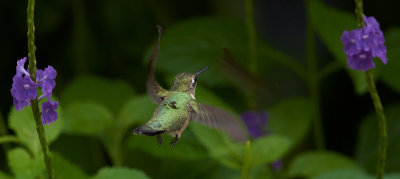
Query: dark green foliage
x=119 y=172
x=24 y=128
x=312 y=164
x=65 y=169
x=101 y=48
x=389 y=75
x=110 y=93
x=291 y=118
x=23 y=165
x=331 y=32
x=367 y=150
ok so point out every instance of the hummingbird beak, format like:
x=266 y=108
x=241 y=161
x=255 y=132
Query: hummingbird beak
x=204 y=69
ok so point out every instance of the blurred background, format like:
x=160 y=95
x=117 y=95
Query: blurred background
x=293 y=70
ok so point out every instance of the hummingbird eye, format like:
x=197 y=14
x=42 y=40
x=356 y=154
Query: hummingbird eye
x=194 y=80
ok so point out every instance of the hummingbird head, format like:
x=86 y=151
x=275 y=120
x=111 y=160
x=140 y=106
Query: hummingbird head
x=186 y=82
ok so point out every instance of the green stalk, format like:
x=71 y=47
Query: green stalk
x=380 y=168
x=8 y=139
x=359 y=13
x=35 y=106
x=246 y=160
x=314 y=81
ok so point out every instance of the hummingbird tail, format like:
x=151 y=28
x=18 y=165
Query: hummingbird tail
x=145 y=130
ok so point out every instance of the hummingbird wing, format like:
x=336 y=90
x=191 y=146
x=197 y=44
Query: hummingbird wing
x=217 y=118
x=155 y=91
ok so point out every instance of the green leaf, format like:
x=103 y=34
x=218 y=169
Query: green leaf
x=392 y=176
x=93 y=119
x=119 y=172
x=219 y=146
x=137 y=110
x=84 y=151
x=353 y=174
x=261 y=171
x=268 y=149
x=87 y=118
x=4 y=175
x=392 y=69
x=367 y=143
x=111 y=93
x=312 y=164
x=23 y=124
x=23 y=166
x=65 y=169
x=291 y=118
x=330 y=33
x=345 y=174
x=188 y=148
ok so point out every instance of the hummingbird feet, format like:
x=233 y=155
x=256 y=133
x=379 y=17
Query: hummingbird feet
x=173 y=142
x=159 y=139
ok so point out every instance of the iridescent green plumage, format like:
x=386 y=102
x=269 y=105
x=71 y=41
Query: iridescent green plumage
x=176 y=107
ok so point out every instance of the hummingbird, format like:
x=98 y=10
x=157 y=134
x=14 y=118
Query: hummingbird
x=178 y=106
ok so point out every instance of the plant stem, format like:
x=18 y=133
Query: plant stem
x=359 y=13
x=380 y=168
x=42 y=139
x=380 y=171
x=8 y=138
x=113 y=146
x=245 y=168
x=314 y=81
x=32 y=69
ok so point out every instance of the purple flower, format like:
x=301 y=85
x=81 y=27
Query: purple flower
x=367 y=39
x=20 y=104
x=277 y=165
x=23 y=90
x=45 y=79
x=372 y=23
x=364 y=44
x=349 y=39
x=255 y=122
x=380 y=52
x=361 y=61
x=49 y=113
x=20 y=67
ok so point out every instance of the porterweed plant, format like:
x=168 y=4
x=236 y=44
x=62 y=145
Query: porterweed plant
x=298 y=80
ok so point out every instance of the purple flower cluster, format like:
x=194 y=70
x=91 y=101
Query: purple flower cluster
x=24 y=90
x=363 y=44
x=256 y=122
